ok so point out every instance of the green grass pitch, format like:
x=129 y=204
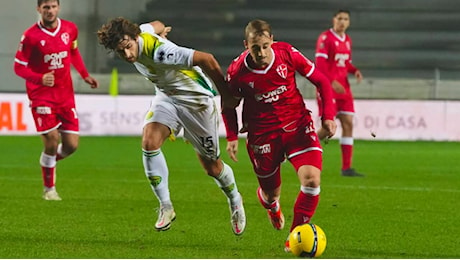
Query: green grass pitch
x=407 y=206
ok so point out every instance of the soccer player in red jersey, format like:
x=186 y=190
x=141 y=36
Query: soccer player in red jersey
x=278 y=124
x=333 y=58
x=46 y=52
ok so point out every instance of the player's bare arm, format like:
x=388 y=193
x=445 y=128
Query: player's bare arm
x=160 y=28
x=211 y=67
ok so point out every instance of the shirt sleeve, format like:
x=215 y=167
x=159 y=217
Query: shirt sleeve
x=322 y=55
x=21 y=62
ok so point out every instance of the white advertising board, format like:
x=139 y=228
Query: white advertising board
x=123 y=115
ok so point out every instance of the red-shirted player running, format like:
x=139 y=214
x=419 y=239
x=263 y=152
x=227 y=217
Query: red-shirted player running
x=275 y=117
x=46 y=52
x=333 y=59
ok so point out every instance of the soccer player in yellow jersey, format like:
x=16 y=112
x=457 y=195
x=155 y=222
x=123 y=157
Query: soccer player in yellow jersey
x=183 y=100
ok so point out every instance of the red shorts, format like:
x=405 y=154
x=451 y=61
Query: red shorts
x=63 y=118
x=300 y=146
x=344 y=104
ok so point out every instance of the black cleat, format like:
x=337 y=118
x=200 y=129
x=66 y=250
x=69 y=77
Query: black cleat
x=350 y=172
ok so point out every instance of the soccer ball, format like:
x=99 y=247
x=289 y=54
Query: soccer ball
x=307 y=240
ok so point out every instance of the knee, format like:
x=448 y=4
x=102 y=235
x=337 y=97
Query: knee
x=310 y=176
x=150 y=145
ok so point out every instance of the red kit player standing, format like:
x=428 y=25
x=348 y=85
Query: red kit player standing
x=333 y=58
x=277 y=122
x=46 y=52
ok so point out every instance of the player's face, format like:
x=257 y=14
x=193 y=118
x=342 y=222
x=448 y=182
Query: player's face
x=341 y=22
x=128 y=49
x=260 y=48
x=48 y=11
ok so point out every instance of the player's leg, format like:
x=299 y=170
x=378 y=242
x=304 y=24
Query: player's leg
x=201 y=129
x=69 y=131
x=48 y=164
x=347 y=144
x=225 y=179
x=47 y=124
x=266 y=156
x=156 y=170
x=68 y=145
x=158 y=126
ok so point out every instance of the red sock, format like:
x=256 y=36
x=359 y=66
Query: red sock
x=304 y=209
x=263 y=202
x=347 y=152
x=49 y=176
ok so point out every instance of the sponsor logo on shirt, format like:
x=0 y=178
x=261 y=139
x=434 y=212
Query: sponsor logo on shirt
x=271 y=96
x=55 y=59
x=341 y=58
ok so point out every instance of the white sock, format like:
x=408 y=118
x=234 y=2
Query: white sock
x=226 y=181
x=156 y=170
x=310 y=190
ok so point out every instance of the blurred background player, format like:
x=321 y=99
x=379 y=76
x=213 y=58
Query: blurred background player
x=277 y=122
x=184 y=100
x=333 y=58
x=46 y=52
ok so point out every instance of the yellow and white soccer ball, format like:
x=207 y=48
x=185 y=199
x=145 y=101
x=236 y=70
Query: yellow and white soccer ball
x=307 y=240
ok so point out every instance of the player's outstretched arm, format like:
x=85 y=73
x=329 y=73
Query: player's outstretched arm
x=211 y=67
x=160 y=28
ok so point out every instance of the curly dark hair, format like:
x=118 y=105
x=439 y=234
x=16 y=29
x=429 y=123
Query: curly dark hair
x=114 y=31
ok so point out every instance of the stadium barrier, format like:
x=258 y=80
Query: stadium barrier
x=123 y=115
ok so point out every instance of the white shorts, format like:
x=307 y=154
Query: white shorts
x=200 y=126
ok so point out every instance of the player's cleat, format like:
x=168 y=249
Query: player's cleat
x=165 y=218
x=238 y=219
x=350 y=172
x=277 y=218
x=287 y=248
x=51 y=195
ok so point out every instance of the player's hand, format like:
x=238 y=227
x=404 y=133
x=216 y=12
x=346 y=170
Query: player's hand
x=232 y=149
x=92 y=82
x=329 y=126
x=338 y=88
x=165 y=32
x=48 y=79
x=359 y=76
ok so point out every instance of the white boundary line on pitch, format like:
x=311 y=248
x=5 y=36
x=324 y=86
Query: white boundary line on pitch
x=393 y=188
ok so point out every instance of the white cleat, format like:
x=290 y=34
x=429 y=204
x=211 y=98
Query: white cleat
x=51 y=195
x=165 y=218
x=238 y=219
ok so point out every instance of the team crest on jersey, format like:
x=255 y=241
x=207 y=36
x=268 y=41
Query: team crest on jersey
x=336 y=43
x=65 y=38
x=282 y=71
x=251 y=84
x=348 y=45
x=42 y=42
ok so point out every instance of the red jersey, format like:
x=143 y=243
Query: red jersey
x=272 y=100
x=42 y=50
x=333 y=57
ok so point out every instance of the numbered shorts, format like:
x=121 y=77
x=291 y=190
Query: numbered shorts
x=268 y=151
x=63 y=118
x=200 y=125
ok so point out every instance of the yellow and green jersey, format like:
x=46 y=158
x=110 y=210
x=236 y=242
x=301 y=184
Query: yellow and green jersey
x=171 y=69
